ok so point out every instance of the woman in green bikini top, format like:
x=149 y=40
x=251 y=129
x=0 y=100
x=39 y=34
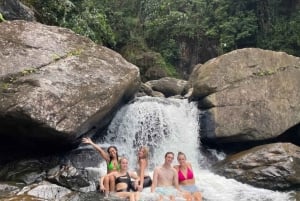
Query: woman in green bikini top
x=123 y=181
x=112 y=167
x=112 y=160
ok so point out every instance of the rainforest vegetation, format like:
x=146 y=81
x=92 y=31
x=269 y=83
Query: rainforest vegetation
x=174 y=35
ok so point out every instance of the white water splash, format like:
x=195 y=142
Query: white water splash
x=172 y=125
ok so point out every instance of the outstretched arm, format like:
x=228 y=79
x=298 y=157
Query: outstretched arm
x=103 y=153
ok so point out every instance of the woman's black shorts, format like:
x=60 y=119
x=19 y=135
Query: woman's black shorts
x=147 y=183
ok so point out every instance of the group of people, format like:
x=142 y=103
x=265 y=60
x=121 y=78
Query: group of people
x=168 y=181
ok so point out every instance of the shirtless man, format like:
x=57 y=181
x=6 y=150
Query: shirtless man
x=165 y=179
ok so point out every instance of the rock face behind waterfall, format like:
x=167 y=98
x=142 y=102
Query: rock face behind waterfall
x=56 y=84
x=248 y=95
x=275 y=166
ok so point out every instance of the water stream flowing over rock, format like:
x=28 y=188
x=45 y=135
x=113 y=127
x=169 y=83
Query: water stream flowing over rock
x=172 y=125
x=160 y=123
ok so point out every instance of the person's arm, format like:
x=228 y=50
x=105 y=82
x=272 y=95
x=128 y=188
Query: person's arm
x=133 y=175
x=103 y=153
x=175 y=179
x=191 y=168
x=142 y=164
x=154 y=181
x=136 y=179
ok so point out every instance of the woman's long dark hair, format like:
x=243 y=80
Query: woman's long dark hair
x=115 y=148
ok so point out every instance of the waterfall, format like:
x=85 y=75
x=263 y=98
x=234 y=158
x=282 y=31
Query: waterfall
x=172 y=125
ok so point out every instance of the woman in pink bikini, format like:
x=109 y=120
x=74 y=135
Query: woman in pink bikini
x=186 y=177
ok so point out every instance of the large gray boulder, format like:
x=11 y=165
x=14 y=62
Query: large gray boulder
x=57 y=85
x=248 y=95
x=15 y=10
x=274 y=166
x=45 y=191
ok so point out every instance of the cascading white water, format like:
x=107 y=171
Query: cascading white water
x=172 y=125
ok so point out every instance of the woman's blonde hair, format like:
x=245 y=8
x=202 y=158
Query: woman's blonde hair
x=146 y=152
x=121 y=159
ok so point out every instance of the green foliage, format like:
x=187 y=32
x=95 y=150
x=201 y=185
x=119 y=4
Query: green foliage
x=264 y=72
x=92 y=25
x=164 y=25
x=1 y=18
x=85 y=17
x=168 y=23
x=169 y=50
x=4 y=86
x=283 y=36
x=171 y=71
x=75 y=52
x=55 y=57
x=28 y=71
x=232 y=24
x=236 y=31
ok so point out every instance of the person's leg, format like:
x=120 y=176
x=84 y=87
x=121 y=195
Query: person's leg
x=137 y=195
x=132 y=197
x=100 y=188
x=197 y=196
x=172 y=198
x=111 y=183
x=187 y=196
x=106 y=185
x=129 y=195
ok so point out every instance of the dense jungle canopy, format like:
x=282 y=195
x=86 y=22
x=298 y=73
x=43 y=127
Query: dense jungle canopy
x=174 y=35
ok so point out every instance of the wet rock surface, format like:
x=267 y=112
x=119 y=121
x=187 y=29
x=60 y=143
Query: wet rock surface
x=276 y=166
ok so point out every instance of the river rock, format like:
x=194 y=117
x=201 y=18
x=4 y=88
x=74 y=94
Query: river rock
x=26 y=171
x=297 y=195
x=275 y=166
x=48 y=191
x=26 y=198
x=56 y=85
x=247 y=95
x=8 y=190
x=70 y=177
x=168 y=86
x=15 y=10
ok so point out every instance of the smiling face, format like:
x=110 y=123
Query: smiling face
x=112 y=152
x=124 y=164
x=181 y=159
x=169 y=157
